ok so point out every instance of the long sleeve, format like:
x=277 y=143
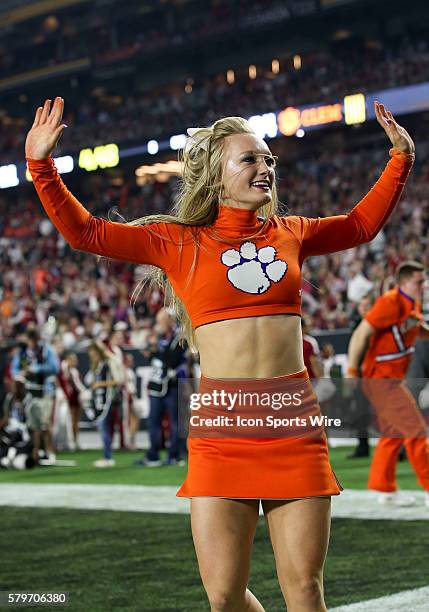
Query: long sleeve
x=154 y=243
x=362 y=224
x=50 y=365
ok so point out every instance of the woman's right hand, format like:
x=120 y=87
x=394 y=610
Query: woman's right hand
x=397 y=135
x=46 y=130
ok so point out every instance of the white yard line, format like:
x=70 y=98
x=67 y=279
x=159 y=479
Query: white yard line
x=134 y=498
x=414 y=600
x=122 y=498
x=364 y=505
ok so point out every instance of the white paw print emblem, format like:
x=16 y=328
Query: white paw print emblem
x=252 y=270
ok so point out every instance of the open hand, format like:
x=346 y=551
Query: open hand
x=46 y=130
x=397 y=135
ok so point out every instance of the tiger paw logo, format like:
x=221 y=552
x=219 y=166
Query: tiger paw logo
x=253 y=270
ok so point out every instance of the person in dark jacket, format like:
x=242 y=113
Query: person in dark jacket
x=166 y=356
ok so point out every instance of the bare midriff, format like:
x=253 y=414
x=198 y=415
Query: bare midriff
x=251 y=347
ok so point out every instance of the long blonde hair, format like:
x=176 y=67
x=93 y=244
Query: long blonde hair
x=196 y=205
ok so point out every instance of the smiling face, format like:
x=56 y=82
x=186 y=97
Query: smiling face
x=248 y=172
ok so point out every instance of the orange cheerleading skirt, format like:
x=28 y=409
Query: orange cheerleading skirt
x=259 y=467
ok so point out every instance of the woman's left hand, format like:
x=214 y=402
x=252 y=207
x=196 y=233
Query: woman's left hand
x=397 y=135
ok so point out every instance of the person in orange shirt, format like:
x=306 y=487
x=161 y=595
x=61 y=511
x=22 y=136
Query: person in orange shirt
x=234 y=278
x=382 y=346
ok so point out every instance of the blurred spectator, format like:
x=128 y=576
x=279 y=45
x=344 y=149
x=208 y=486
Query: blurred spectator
x=357 y=286
x=106 y=397
x=36 y=365
x=165 y=355
x=72 y=385
x=130 y=400
x=114 y=342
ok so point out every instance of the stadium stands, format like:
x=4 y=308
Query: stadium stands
x=324 y=76
x=40 y=275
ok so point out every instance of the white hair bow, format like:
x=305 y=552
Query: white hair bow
x=193 y=140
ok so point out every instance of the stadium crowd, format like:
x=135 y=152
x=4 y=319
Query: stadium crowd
x=43 y=280
x=107 y=35
x=323 y=76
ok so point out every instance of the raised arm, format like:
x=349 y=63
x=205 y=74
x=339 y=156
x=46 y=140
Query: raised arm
x=362 y=224
x=154 y=244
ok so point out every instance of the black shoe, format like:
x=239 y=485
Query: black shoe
x=359 y=453
x=148 y=463
x=402 y=455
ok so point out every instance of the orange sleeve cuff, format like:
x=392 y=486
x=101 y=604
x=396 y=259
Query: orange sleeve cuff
x=401 y=155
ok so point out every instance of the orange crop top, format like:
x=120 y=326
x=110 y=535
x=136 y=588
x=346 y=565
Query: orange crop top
x=252 y=277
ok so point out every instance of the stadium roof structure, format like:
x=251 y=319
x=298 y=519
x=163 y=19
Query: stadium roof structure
x=14 y=11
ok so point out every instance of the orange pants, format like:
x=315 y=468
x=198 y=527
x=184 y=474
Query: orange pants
x=400 y=423
x=382 y=475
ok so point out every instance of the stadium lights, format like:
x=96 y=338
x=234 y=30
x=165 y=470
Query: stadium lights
x=160 y=172
x=354 y=109
x=264 y=125
x=230 y=77
x=300 y=133
x=275 y=66
x=319 y=115
x=177 y=142
x=64 y=164
x=252 y=71
x=105 y=156
x=341 y=34
x=291 y=119
x=297 y=62
x=153 y=147
x=8 y=176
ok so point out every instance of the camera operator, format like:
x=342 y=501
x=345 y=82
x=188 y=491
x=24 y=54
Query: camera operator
x=36 y=364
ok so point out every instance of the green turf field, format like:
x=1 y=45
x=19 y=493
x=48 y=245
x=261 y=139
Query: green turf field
x=146 y=562
x=352 y=473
